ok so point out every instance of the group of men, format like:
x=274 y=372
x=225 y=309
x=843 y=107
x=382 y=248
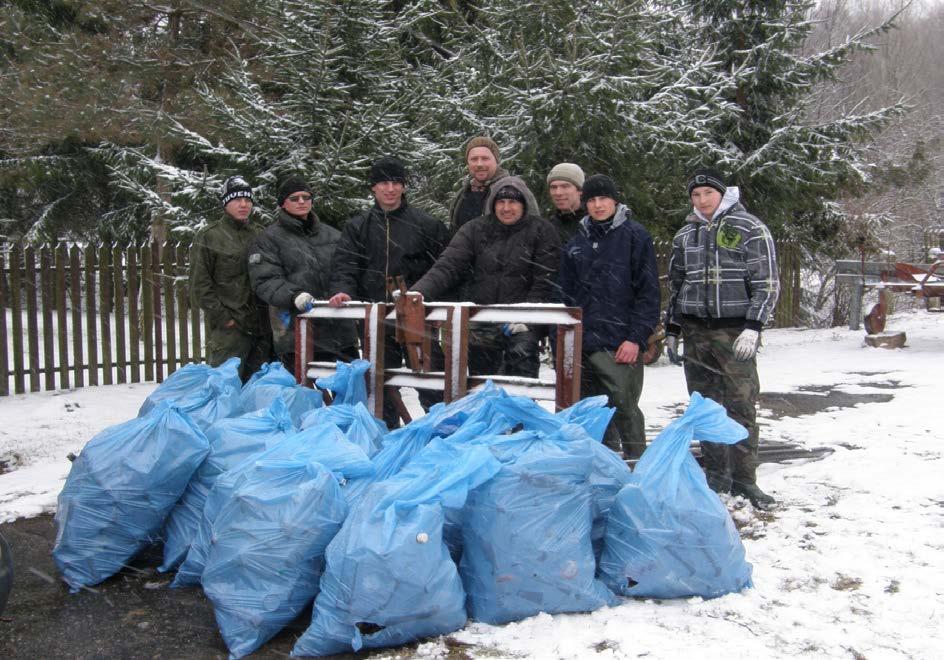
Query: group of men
x=251 y=281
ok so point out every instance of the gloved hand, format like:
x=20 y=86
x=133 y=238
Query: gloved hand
x=745 y=346
x=395 y=294
x=304 y=301
x=510 y=329
x=671 y=349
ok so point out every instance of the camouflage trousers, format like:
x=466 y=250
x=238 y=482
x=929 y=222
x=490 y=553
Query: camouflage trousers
x=711 y=370
x=622 y=385
x=253 y=350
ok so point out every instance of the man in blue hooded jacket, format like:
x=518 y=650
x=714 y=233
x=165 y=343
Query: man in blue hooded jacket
x=609 y=270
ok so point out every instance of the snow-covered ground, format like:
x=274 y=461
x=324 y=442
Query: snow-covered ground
x=850 y=566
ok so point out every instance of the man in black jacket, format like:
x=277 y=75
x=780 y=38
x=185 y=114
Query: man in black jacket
x=564 y=186
x=509 y=255
x=609 y=270
x=289 y=267
x=389 y=239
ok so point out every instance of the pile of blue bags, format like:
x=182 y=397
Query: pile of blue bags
x=489 y=507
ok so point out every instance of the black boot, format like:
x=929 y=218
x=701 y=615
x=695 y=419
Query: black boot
x=758 y=498
x=719 y=482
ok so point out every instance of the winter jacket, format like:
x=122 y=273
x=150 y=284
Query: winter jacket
x=375 y=244
x=501 y=263
x=460 y=213
x=567 y=224
x=723 y=269
x=609 y=270
x=219 y=277
x=292 y=257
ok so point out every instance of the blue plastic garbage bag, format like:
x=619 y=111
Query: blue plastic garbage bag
x=231 y=440
x=272 y=373
x=389 y=578
x=268 y=548
x=348 y=383
x=119 y=491
x=592 y=414
x=526 y=532
x=299 y=400
x=668 y=535
x=274 y=381
x=361 y=428
x=324 y=444
x=445 y=418
x=205 y=393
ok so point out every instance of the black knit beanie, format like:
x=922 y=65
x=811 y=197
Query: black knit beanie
x=387 y=168
x=707 y=177
x=292 y=185
x=234 y=187
x=599 y=185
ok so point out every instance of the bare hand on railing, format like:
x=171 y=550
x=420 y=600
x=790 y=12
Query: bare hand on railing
x=338 y=299
x=627 y=352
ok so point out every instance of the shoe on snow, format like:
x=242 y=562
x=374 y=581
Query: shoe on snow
x=758 y=498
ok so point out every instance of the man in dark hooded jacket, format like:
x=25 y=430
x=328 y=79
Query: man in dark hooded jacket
x=237 y=324
x=609 y=270
x=390 y=238
x=290 y=266
x=508 y=256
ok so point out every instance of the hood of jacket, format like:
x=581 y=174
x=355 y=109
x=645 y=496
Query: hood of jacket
x=731 y=197
x=530 y=203
x=622 y=215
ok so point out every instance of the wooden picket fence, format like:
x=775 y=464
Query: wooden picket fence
x=77 y=315
x=89 y=315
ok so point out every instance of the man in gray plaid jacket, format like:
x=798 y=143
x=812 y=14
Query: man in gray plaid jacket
x=723 y=286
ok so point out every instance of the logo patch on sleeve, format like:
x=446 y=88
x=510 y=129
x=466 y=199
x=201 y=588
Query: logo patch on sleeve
x=255 y=258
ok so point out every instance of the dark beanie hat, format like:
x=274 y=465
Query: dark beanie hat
x=387 y=168
x=599 y=185
x=482 y=141
x=234 y=187
x=707 y=177
x=510 y=192
x=291 y=185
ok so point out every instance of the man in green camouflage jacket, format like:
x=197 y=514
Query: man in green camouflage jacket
x=237 y=323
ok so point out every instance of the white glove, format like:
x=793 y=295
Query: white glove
x=396 y=293
x=304 y=301
x=510 y=329
x=745 y=346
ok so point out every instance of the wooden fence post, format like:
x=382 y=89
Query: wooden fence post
x=134 y=331
x=4 y=365
x=169 y=312
x=62 y=322
x=75 y=288
x=104 y=312
x=16 y=306
x=91 y=315
x=156 y=310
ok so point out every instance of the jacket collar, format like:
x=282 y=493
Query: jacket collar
x=621 y=216
x=296 y=225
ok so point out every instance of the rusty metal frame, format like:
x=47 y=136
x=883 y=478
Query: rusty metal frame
x=455 y=319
